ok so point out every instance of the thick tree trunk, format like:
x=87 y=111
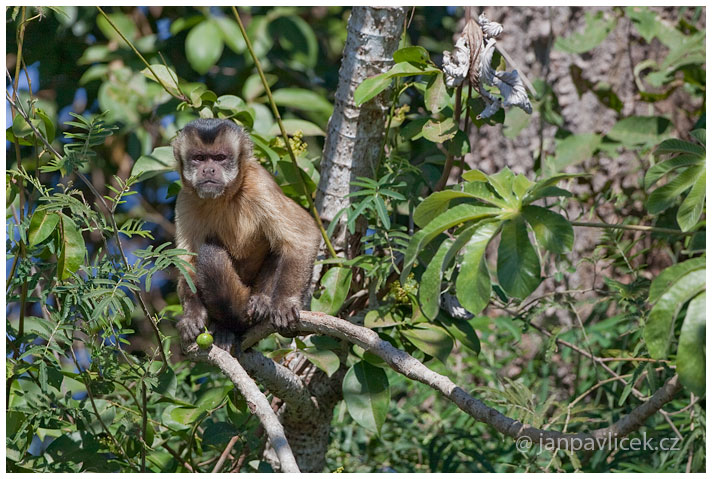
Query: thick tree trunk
x=355 y=134
x=352 y=147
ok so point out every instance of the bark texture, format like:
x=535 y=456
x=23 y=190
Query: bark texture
x=352 y=147
x=355 y=134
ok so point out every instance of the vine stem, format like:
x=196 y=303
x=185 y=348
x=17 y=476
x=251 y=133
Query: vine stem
x=277 y=116
x=449 y=160
x=648 y=229
x=145 y=62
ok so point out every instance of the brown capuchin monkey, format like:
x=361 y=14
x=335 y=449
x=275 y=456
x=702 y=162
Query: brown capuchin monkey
x=255 y=247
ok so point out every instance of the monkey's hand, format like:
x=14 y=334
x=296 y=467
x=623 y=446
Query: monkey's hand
x=192 y=324
x=285 y=313
x=259 y=307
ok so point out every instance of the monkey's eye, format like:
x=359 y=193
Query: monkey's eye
x=220 y=157
x=199 y=158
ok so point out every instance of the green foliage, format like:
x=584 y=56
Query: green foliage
x=689 y=159
x=598 y=26
x=486 y=205
x=367 y=395
x=89 y=245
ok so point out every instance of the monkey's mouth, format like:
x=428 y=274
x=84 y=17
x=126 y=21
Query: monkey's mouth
x=209 y=183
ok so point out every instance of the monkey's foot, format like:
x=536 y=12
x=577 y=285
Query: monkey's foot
x=224 y=339
x=285 y=315
x=259 y=307
x=190 y=327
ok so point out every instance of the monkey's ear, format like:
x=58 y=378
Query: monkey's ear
x=245 y=146
x=177 y=145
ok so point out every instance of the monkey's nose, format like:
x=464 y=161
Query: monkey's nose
x=209 y=171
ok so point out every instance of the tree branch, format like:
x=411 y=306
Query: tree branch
x=281 y=381
x=402 y=362
x=256 y=401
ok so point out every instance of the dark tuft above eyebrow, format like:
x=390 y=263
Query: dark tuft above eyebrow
x=208 y=129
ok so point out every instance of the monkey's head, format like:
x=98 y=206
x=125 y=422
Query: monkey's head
x=210 y=154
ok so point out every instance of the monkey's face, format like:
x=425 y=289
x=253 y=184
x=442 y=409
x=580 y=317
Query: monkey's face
x=209 y=154
x=210 y=171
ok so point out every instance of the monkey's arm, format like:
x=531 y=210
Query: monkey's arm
x=195 y=316
x=294 y=239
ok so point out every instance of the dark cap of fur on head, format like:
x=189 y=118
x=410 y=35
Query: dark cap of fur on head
x=208 y=129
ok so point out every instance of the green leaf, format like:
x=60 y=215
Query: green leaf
x=297 y=37
x=213 y=397
x=552 y=231
x=382 y=212
x=367 y=395
x=691 y=208
x=473 y=284
x=518 y=268
x=203 y=46
x=483 y=191
x=435 y=204
x=159 y=161
x=665 y=167
x=644 y=20
x=185 y=415
x=372 y=86
x=669 y=275
x=667 y=195
x=448 y=219
x=440 y=131
x=429 y=289
x=336 y=283
x=324 y=359
x=231 y=34
x=459 y=145
x=699 y=135
x=673 y=145
x=71 y=247
x=574 y=149
x=125 y=25
x=166 y=76
x=13 y=421
x=598 y=26
x=690 y=361
x=231 y=103
x=48 y=130
x=414 y=54
x=302 y=99
x=660 y=325
x=474 y=175
x=42 y=225
x=218 y=434
x=294 y=125
x=462 y=238
x=541 y=188
x=640 y=130
x=431 y=339
x=503 y=184
x=436 y=95
x=462 y=331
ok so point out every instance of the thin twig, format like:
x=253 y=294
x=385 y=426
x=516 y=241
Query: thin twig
x=449 y=160
x=225 y=453
x=648 y=229
x=148 y=65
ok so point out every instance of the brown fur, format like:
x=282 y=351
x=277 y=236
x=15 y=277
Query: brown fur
x=262 y=244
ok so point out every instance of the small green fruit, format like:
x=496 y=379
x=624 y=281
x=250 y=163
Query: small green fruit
x=205 y=340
